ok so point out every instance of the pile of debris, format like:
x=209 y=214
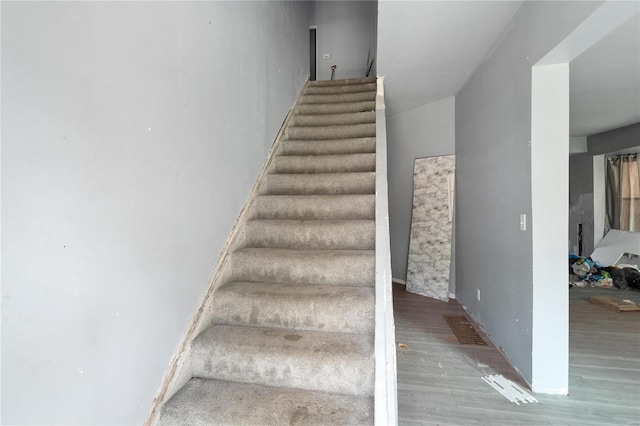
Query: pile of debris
x=584 y=271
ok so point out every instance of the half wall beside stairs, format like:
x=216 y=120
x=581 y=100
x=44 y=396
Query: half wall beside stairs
x=291 y=332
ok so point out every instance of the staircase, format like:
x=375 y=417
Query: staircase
x=292 y=334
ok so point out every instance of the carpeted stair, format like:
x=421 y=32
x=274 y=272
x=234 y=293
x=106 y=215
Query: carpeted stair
x=292 y=336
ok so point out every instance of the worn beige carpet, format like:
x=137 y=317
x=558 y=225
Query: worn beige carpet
x=292 y=338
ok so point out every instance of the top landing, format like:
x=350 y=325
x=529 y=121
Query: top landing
x=343 y=82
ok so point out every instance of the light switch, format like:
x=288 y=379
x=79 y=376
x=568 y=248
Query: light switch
x=523 y=221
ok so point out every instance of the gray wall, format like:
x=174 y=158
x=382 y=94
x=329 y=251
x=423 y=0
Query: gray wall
x=493 y=177
x=427 y=131
x=581 y=202
x=346 y=31
x=132 y=135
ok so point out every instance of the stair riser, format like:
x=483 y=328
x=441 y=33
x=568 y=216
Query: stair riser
x=325 y=164
x=342 y=82
x=331 y=90
x=335 y=108
x=332 y=99
x=334 y=312
x=329 y=362
x=329 y=147
x=322 y=235
x=211 y=402
x=356 y=269
x=297 y=207
x=368 y=117
x=320 y=184
x=331 y=132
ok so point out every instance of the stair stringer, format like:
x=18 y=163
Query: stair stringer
x=386 y=387
x=179 y=371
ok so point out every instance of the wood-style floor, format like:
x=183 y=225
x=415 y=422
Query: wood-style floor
x=439 y=380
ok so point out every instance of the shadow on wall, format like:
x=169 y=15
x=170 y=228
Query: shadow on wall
x=426 y=131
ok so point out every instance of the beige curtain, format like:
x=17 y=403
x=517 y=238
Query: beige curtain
x=623 y=192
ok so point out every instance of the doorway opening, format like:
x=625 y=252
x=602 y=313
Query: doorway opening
x=312 y=52
x=550 y=133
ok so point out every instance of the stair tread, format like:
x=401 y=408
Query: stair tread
x=338 y=98
x=343 y=119
x=329 y=308
x=293 y=291
x=307 y=253
x=333 y=126
x=205 y=402
x=311 y=222
x=249 y=341
x=341 y=88
x=314 y=360
x=329 y=116
x=326 y=156
x=335 y=108
x=320 y=183
x=314 y=207
x=349 y=131
x=341 y=140
x=323 y=197
x=311 y=234
x=328 y=163
x=343 y=81
x=305 y=266
x=319 y=197
x=328 y=146
x=346 y=174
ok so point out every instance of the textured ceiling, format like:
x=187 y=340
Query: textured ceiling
x=428 y=49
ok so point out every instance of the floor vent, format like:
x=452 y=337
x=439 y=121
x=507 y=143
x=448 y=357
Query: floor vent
x=463 y=330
